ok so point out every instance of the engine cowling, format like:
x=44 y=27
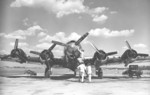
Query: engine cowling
x=72 y=50
x=128 y=54
x=46 y=55
x=100 y=56
x=17 y=52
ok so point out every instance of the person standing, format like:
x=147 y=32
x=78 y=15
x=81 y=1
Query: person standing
x=81 y=68
x=89 y=71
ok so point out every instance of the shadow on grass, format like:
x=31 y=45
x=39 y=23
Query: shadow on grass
x=95 y=79
x=107 y=79
x=53 y=77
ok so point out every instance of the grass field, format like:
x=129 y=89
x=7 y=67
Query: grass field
x=13 y=81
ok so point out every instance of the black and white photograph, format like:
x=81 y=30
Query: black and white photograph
x=74 y=47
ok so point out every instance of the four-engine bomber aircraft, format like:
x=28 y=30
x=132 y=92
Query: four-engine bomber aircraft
x=71 y=54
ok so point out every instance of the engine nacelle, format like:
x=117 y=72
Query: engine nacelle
x=46 y=55
x=72 y=50
x=100 y=56
x=128 y=54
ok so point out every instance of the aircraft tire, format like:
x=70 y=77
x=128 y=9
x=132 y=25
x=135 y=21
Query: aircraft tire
x=75 y=73
x=48 y=74
x=130 y=75
x=100 y=73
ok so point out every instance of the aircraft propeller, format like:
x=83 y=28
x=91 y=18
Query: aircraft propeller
x=100 y=53
x=17 y=52
x=45 y=54
x=131 y=53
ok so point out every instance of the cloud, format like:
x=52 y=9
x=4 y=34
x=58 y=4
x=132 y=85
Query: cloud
x=12 y=36
x=21 y=34
x=2 y=34
x=25 y=22
x=108 y=33
x=97 y=10
x=43 y=45
x=20 y=44
x=4 y=52
x=101 y=18
x=113 y=12
x=96 y=14
x=41 y=34
x=64 y=7
x=60 y=7
x=61 y=36
x=140 y=45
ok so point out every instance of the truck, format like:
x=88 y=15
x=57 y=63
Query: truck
x=133 y=70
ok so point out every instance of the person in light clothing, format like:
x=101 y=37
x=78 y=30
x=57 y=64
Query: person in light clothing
x=89 y=71
x=81 y=68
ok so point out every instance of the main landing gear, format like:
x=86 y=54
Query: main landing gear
x=48 y=74
x=48 y=70
x=99 y=72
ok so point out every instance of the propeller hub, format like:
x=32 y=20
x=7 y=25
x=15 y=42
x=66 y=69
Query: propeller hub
x=72 y=50
x=131 y=53
x=45 y=55
x=15 y=52
x=100 y=56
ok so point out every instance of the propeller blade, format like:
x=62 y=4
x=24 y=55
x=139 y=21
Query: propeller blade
x=52 y=47
x=95 y=48
x=128 y=45
x=21 y=58
x=111 y=53
x=81 y=38
x=59 y=43
x=16 y=44
x=141 y=54
x=35 y=52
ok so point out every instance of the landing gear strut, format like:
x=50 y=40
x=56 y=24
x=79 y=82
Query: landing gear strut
x=75 y=73
x=48 y=70
x=99 y=72
x=48 y=74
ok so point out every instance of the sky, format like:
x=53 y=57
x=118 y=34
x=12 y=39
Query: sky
x=109 y=23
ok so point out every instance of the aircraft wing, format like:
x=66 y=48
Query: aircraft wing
x=57 y=61
x=113 y=60
x=9 y=58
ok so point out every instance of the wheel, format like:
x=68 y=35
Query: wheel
x=48 y=74
x=75 y=73
x=138 y=75
x=130 y=75
x=100 y=73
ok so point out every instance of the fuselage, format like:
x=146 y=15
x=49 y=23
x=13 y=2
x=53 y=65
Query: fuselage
x=71 y=54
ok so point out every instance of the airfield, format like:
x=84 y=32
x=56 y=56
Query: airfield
x=13 y=81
